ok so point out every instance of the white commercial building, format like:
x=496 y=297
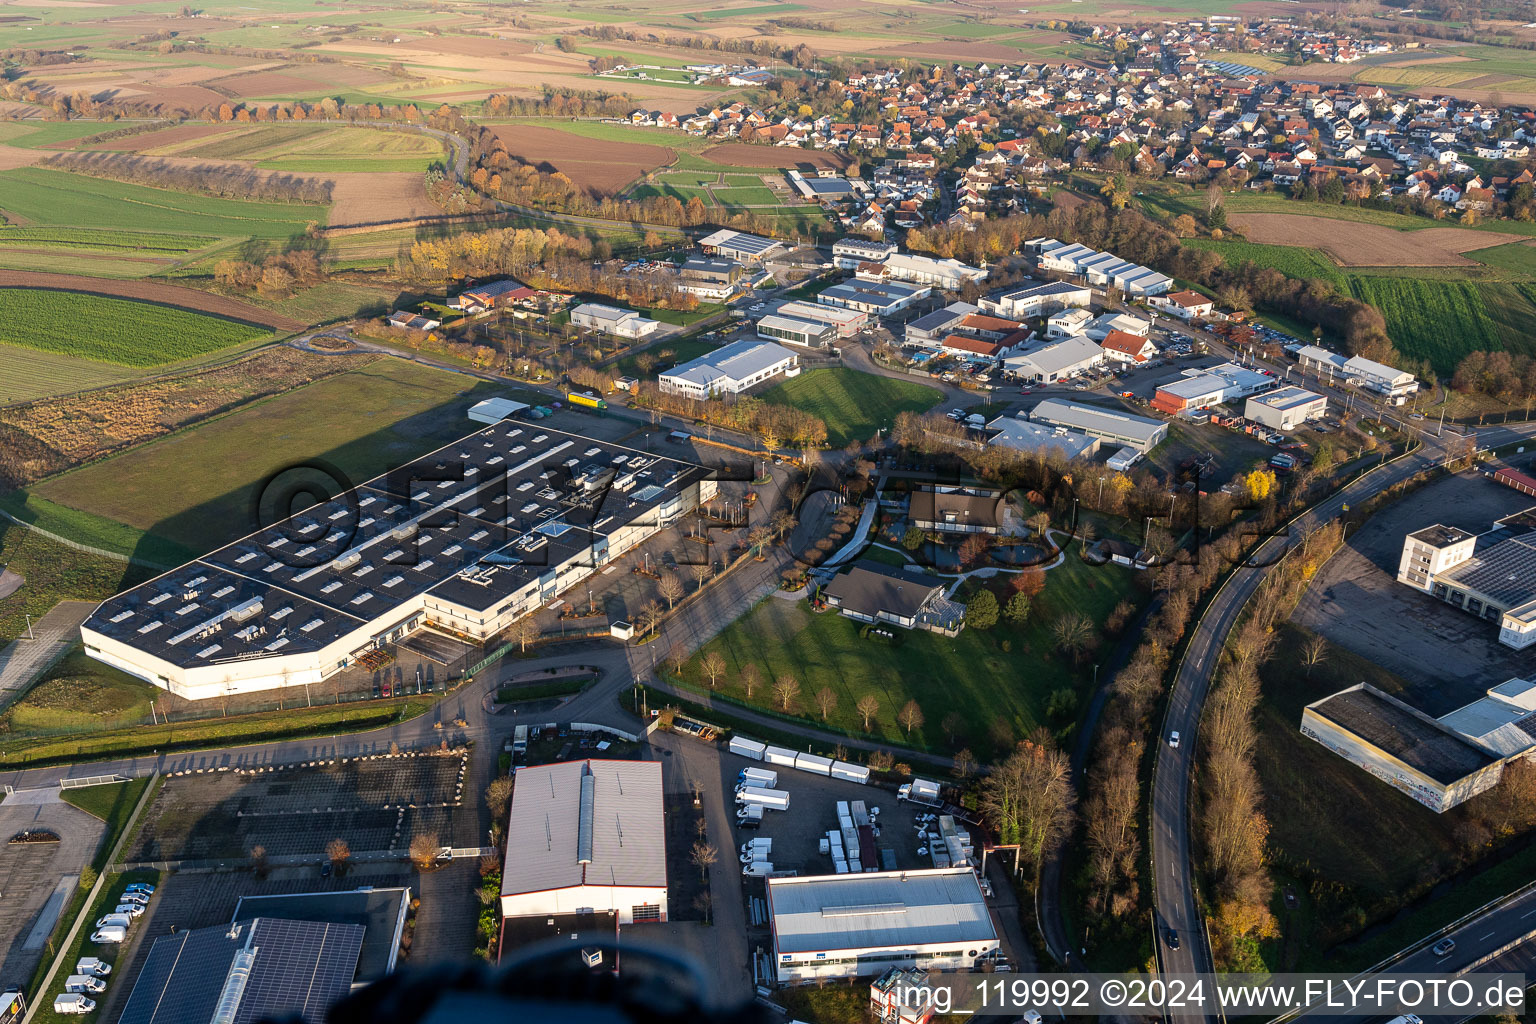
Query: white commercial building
x=1494 y=580
x=796 y=330
x=621 y=323
x=1103 y=269
x=848 y=253
x=740 y=246
x=465 y=540
x=847 y=321
x=1185 y=305
x=1392 y=384
x=950 y=275
x=1020 y=434
x=1038 y=299
x=1106 y=424
x=730 y=369
x=587 y=837
x=1068 y=323
x=843 y=926
x=1106 y=324
x=1286 y=408
x=1055 y=360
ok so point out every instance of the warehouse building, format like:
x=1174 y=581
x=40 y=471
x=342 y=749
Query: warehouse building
x=848 y=253
x=730 y=369
x=1102 y=269
x=1020 y=434
x=796 y=330
x=1392 y=384
x=931 y=328
x=1490 y=575
x=843 y=926
x=1213 y=385
x=948 y=274
x=1038 y=299
x=712 y=279
x=465 y=540
x=848 y=322
x=1055 y=360
x=1286 y=408
x=877 y=298
x=741 y=247
x=381 y=913
x=252 y=970
x=586 y=837
x=1403 y=747
x=620 y=323
x=1113 y=425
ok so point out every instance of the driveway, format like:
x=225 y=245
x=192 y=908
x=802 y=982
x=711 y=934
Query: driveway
x=23 y=659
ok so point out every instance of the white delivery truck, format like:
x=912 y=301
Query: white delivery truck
x=772 y=799
x=747 y=748
x=850 y=772
x=73 y=1002
x=812 y=763
x=91 y=965
x=84 y=983
x=750 y=816
x=762 y=778
x=920 y=791
x=757 y=869
x=112 y=933
x=781 y=756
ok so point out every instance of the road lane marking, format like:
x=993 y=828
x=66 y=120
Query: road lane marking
x=1487 y=937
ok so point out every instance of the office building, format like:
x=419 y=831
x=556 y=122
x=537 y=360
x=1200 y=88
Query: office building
x=621 y=323
x=1286 y=408
x=730 y=369
x=796 y=330
x=741 y=247
x=1490 y=575
x=1391 y=384
x=877 y=298
x=848 y=253
x=847 y=322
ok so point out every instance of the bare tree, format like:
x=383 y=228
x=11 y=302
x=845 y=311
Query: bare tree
x=650 y=614
x=1028 y=800
x=713 y=664
x=1073 y=633
x=965 y=763
x=259 y=860
x=759 y=537
x=702 y=571
x=910 y=716
x=826 y=702
x=498 y=796
x=524 y=632
x=1313 y=653
x=786 y=688
x=881 y=761
x=424 y=849
x=670 y=586
x=751 y=678
x=868 y=707
x=703 y=855
x=677 y=657
x=952 y=724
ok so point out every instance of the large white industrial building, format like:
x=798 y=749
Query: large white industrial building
x=730 y=369
x=842 y=926
x=587 y=837
x=466 y=540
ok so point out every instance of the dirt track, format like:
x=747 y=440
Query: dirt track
x=1369 y=245
x=149 y=291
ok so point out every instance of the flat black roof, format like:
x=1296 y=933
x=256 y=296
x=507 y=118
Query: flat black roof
x=472 y=523
x=1390 y=727
x=1440 y=535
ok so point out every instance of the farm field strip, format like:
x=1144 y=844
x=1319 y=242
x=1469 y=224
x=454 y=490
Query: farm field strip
x=27 y=373
x=110 y=330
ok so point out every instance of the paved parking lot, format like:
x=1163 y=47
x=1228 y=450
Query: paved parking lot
x=31 y=874
x=1447 y=657
x=375 y=805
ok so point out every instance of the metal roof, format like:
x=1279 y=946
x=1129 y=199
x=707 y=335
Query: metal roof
x=1393 y=728
x=1019 y=433
x=734 y=362
x=738 y=241
x=878 y=910
x=1287 y=398
x=1056 y=356
x=1095 y=419
x=566 y=832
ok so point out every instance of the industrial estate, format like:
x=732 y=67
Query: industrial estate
x=803 y=512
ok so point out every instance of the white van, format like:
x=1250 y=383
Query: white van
x=73 y=1002
x=111 y=933
x=84 y=983
x=117 y=920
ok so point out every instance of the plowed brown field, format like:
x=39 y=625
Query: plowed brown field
x=597 y=165
x=1369 y=245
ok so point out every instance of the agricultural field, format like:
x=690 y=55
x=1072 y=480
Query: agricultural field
x=1000 y=682
x=45 y=198
x=309 y=148
x=1438 y=320
x=28 y=373
x=853 y=404
x=109 y=330
x=1288 y=259
x=361 y=423
x=1370 y=245
x=604 y=170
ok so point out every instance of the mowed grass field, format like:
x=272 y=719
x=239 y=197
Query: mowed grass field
x=28 y=373
x=107 y=330
x=853 y=404
x=198 y=488
x=313 y=148
x=970 y=674
x=45 y=197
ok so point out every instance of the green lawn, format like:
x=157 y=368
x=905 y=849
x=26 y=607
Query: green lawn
x=53 y=573
x=112 y=804
x=361 y=423
x=80 y=693
x=972 y=674
x=1440 y=320
x=1290 y=260
x=667 y=355
x=119 y=331
x=853 y=404
x=47 y=197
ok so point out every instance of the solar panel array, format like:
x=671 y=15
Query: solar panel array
x=300 y=967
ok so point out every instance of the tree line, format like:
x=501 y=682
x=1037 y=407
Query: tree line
x=777 y=425
x=227 y=181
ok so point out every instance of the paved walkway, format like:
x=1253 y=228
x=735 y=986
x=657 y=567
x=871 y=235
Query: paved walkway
x=23 y=660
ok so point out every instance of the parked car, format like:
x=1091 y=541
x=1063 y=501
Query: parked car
x=143 y=887
x=134 y=897
x=114 y=921
x=129 y=909
x=112 y=933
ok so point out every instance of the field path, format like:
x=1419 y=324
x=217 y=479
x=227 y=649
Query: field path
x=151 y=291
